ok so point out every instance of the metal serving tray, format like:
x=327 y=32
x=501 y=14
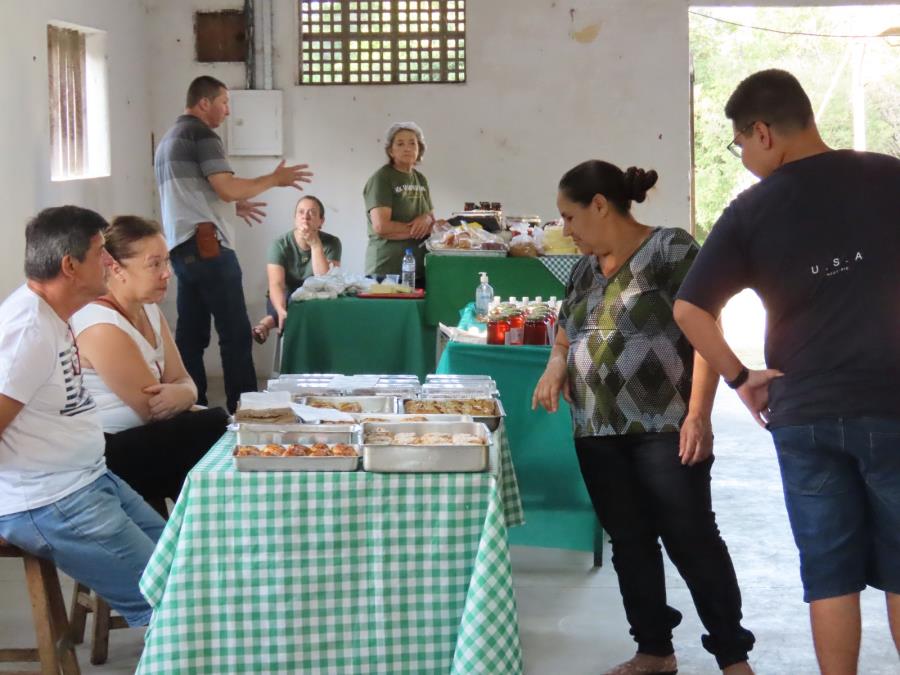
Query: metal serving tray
x=470 y=389
x=288 y=434
x=457 y=377
x=404 y=418
x=304 y=385
x=369 y=404
x=396 y=390
x=297 y=463
x=477 y=252
x=427 y=458
x=492 y=421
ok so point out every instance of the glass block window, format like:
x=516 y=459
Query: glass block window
x=382 y=41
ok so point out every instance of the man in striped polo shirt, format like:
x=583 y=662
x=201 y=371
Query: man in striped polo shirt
x=196 y=187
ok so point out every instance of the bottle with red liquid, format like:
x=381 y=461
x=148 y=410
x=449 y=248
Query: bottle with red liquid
x=497 y=328
x=516 y=333
x=536 y=328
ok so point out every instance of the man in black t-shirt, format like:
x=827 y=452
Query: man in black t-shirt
x=818 y=239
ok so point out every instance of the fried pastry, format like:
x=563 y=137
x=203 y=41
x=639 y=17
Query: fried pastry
x=266 y=416
x=434 y=439
x=272 y=450
x=295 y=450
x=417 y=406
x=343 y=450
x=452 y=406
x=479 y=406
x=467 y=439
x=319 y=450
x=246 y=451
x=345 y=406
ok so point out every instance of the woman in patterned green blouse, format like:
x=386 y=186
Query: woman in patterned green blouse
x=641 y=402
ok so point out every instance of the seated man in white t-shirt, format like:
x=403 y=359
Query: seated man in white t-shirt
x=57 y=499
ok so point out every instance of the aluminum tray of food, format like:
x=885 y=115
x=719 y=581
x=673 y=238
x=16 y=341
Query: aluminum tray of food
x=463 y=389
x=488 y=411
x=299 y=391
x=441 y=377
x=478 y=252
x=288 y=434
x=301 y=385
x=436 y=381
x=425 y=447
x=401 y=390
x=405 y=418
x=354 y=404
x=297 y=457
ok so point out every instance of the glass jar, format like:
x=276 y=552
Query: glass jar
x=497 y=329
x=536 y=329
x=516 y=333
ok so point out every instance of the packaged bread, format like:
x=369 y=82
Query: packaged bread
x=266 y=416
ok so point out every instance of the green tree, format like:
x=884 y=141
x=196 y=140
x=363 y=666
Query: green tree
x=724 y=53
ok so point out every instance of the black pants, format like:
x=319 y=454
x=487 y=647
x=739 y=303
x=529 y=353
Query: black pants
x=155 y=458
x=642 y=493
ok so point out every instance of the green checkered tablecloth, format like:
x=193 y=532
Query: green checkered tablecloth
x=335 y=573
x=560 y=266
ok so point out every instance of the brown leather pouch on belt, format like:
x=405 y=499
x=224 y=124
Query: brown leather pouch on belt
x=207 y=241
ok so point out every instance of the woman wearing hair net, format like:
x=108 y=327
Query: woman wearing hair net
x=398 y=204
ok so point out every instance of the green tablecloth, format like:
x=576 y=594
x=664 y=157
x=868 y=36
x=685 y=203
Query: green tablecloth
x=355 y=336
x=558 y=511
x=452 y=281
x=334 y=573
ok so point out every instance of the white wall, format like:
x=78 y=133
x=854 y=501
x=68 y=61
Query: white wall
x=537 y=101
x=24 y=119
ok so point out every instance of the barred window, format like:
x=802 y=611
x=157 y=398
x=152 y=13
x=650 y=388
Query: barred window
x=78 y=102
x=382 y=41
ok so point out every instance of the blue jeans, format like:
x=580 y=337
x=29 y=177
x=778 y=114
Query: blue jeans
x=101 y=535
x=213 y=287
x=842 y=491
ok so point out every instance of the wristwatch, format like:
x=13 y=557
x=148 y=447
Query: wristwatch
x=739 y=379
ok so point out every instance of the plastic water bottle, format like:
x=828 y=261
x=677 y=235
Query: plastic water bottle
x=483 y=295
x=408 y=269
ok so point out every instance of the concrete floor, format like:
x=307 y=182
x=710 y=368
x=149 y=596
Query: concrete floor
x=571 y=619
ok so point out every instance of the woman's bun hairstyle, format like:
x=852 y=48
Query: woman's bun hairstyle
x=595 y=176
x=638 y=181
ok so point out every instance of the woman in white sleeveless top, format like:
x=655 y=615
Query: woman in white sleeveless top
x=133 y=369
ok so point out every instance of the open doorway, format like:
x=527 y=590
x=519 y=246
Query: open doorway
x=848 y=60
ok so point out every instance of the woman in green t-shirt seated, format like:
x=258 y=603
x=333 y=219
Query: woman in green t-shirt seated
x=398 y=204
x=294 y=257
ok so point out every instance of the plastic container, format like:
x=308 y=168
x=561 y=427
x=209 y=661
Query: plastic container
x=483 y=295
x=408 y=269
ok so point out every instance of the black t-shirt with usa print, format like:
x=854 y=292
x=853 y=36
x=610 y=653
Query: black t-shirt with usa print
x=819 y=242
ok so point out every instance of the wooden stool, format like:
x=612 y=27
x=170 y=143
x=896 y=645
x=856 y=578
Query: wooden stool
x=85 y=602
x=55 y=651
